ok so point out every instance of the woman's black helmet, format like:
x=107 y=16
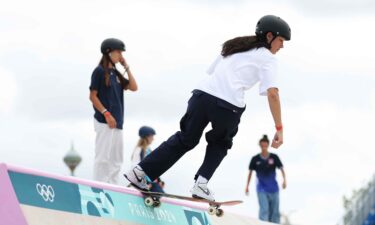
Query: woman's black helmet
x=146 y=131
x=273 y=24
x=111 y=44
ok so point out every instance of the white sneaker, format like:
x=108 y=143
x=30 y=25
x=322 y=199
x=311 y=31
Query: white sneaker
x=200 y=190
x=137 y=178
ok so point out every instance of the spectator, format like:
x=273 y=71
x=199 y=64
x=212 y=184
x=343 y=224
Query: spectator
x=265 y=164
x=146 y=137
x=107 y=96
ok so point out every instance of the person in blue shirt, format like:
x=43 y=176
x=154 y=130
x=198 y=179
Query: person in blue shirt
x=107 y=96
x=265 y=164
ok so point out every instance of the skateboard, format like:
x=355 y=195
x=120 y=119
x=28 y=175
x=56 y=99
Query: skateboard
x=152 y=199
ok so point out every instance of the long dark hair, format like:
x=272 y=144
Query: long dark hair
x=105 y=61
x=242 y=44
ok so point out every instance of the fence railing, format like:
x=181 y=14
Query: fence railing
x=359 y=205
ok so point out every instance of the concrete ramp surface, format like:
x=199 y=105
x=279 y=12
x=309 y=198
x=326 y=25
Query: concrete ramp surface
x=30 y=197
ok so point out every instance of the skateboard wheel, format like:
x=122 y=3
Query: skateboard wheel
x=157 y=203
x=149 y=201
x=212 y=210
x=219 y=212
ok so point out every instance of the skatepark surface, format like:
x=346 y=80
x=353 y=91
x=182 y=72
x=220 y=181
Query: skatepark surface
x=31 y=197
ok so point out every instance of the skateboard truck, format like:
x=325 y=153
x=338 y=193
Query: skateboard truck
x=151 y=201
x=215 y=210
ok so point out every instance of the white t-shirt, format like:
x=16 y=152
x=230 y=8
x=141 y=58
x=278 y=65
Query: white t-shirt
x=136 y=156
x=231 y=76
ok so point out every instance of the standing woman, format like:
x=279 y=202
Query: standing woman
x=265 y=164
x=107 y=96
x=146 y=137
x=219 y=100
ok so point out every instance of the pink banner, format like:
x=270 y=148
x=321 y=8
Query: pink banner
x=10 y=210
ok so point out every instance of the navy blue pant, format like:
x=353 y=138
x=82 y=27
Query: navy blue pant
x=202 y=109
x=155 y=187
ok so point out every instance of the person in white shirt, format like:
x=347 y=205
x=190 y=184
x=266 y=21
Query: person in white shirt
x=219 y=100
x=146 y=137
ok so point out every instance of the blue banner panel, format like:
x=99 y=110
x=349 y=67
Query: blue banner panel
x=82 y=199
x=46 y=192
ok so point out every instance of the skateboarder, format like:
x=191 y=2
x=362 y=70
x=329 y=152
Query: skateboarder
x=265 y=164
x=219 y=100
x=146 y=137
x=107 y=96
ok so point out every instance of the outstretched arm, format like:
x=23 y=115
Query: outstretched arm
x=248 y=182
x=275 y=107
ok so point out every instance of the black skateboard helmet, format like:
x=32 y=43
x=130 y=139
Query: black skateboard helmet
x=146 y=131
x=111 y=44
x=273 y=24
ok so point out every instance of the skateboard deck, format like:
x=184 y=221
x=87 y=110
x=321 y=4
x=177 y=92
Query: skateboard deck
x=152 y=200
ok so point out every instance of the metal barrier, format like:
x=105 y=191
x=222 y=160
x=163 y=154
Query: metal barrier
x=360 y=207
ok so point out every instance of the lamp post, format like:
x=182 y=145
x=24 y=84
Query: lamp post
x=72 y=159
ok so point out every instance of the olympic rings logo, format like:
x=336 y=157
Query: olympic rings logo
x=47 y=192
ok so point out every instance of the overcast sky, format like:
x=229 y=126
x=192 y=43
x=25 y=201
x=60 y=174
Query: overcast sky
x=49 y=49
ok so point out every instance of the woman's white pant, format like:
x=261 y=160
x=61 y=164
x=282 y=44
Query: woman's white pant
x=108 y=153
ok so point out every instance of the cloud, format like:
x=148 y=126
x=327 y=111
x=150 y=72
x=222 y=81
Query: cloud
x=332 y=8
x=8 y=92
